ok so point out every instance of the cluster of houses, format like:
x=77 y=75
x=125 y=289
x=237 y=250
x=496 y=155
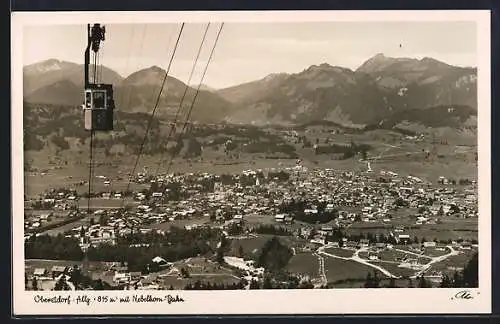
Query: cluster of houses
x=357 y=197
x=365 y=197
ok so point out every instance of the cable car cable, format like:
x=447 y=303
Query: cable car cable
x=196 y=94
x=154 y=94
x=183 y=96
x=153 y=112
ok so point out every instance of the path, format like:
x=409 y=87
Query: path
x=356 y=258
x=321 y=270
x=437 y=259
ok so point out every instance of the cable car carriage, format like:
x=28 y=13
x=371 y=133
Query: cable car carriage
x=98 y=98
x=98 y=107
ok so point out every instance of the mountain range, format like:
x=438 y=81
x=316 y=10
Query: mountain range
x=381 y=89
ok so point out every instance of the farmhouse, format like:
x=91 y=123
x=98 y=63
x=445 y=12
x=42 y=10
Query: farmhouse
x=429 y=244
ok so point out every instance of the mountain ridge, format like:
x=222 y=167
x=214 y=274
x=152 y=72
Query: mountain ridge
x=379 y=87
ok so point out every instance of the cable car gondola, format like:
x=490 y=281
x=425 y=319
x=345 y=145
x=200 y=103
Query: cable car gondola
x=98 y=97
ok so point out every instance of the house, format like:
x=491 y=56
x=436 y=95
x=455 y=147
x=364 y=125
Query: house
x=161 y=262
x=135 y=276
x=120 y=277
x=429 y=244
x=120 y=269
x=404 y=238
x=279 y=218
x=466 y=246
x=373 y=256
x=318 y=240
x=58 y=270
x=364 y=243
x=39 y=272
x=351 y=244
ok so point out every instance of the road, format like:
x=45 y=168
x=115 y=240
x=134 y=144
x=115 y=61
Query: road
x=321 y=270
x=437 y=259
x=356 y=258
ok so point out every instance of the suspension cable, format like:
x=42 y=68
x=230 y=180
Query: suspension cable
x=183 y=96
x=196 y=94
x=152 y=115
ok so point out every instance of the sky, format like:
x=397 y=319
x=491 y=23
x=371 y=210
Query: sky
x=249 y=51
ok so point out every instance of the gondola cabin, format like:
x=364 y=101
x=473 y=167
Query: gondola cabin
x=98 y=107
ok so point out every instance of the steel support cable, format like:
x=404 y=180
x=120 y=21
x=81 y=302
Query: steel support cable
x=183 y=96
x=91 y=148
x=196 y=94
x=152 y=115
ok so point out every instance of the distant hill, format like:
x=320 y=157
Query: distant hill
x=381 y=89
x=413 y=83
x=138 y=92
x=61 y=83
x=42 y=74
x=205 y=87
x=247 y=92
x=61 y=92
x=318 y=92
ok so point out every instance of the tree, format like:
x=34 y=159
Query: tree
x=34 y=283
x=98 y=285
x=274 y=256
x=61 y=284
x=445 y=282
x=185 y=273
x=440 y=211
x=75 y=276
x=241 y=253
x=470 y=272
x=392 y=283
x=372 y=281
x=254 y=284
x=457 y=280
x=267 y=284
x=423 y=283
x=219 y=256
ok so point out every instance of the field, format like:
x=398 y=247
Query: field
x=304 y=263
x=450 y=229
x=178 y=223
x=395 y=269
x=199 y=269
x=433 y=252
x=252 y=246
x=340 y=252
x=67 y=227
x=455 y=261
x=338 y=270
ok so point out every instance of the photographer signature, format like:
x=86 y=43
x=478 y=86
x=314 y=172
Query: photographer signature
x=464 y=294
